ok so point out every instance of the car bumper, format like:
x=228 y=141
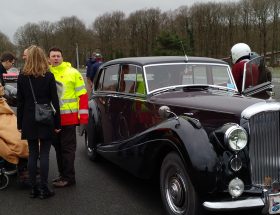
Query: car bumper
x=249 y=203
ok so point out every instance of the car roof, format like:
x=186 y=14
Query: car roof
x=142 y=61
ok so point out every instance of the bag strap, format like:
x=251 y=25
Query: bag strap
x=35 y=101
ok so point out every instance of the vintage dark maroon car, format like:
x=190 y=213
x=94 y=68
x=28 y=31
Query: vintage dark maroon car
x=183 y=121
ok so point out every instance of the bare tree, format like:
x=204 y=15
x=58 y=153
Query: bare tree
x=5 y=44
x=27 y=35
x=69 y=31
x=261 y=15
x=46 y=34
x=275 y=43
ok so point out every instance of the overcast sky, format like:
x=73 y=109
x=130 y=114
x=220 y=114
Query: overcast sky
x=18 y=13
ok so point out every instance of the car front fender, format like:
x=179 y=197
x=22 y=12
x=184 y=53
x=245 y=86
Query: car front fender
x=193 y=145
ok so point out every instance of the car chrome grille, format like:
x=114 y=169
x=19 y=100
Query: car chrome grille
x=264 y=149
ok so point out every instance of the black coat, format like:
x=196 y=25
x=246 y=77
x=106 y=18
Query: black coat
x=45 y=92
x=2 y=71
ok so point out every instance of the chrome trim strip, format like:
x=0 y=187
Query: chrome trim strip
x=237 y=204
x=260 y=107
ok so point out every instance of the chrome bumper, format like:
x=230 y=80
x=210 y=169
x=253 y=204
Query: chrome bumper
x=249 y=203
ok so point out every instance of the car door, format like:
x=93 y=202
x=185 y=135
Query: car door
x=104 y=98
x=256 y=78
x=122 y=101
x=131 y=96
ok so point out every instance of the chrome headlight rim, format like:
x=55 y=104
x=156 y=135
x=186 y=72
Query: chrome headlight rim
x=235 y=163
x=230 y=131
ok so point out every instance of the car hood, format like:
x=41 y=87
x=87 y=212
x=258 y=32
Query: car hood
x=214 y=101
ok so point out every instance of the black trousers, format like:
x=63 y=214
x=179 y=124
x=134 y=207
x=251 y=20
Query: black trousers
x=34 y=150
x=65 y=146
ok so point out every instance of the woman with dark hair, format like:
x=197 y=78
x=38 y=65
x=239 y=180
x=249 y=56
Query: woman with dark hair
x=36 y=75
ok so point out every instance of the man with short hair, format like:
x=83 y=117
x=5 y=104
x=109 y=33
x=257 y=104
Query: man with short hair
x=94 y=67
x=7 y=61
x=73 y=111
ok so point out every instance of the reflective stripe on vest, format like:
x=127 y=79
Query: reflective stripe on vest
x=68 y=111
x=69 y=100
x=83 y=111
x=77 y=89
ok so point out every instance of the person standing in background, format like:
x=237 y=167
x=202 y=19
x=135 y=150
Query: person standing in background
x=93 y=69
x=90 y=61
x=240 y=54
x=7 y=61
x=36 y=74
x=73 y=111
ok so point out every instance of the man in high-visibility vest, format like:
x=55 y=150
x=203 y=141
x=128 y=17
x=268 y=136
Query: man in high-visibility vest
x=73 y=100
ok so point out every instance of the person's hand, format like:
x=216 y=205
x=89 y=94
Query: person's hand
x=57 y=130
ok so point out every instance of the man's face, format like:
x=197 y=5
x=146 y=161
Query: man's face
x=55 y=58
x=8 y=64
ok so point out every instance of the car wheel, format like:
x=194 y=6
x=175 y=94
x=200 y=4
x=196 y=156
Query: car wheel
x=4 y=181
x=177 y=192
x=90 y=140
x=91 y=150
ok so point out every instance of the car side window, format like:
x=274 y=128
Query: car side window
x=140 y=84
x=100 y=80
x=131 y=80
x=109 y=76
x=127 y=78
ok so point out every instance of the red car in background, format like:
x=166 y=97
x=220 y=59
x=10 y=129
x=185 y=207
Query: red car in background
x=11 y=75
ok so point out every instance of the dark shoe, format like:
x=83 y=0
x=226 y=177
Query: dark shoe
x=63 y=183
x=34 y=192
x=57 y=179
x=46 y=193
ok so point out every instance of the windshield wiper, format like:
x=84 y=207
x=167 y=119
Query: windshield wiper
x=196 y=87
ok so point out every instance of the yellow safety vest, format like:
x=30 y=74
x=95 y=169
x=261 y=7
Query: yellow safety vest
x=70 y=84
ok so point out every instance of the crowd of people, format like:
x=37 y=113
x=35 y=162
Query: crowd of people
x=51 y=80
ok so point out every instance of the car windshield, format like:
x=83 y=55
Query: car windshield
x=185 y=74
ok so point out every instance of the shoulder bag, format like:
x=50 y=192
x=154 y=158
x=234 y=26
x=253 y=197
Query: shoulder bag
x=44 y=113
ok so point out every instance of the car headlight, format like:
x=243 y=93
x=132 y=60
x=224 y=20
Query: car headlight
x=236 y=187
x=236 y=138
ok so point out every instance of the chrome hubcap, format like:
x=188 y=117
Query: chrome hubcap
x=175 y=193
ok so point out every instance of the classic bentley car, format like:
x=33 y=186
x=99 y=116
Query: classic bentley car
x=182 y=120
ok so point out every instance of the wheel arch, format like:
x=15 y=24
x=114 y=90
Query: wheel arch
x=193 y=147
